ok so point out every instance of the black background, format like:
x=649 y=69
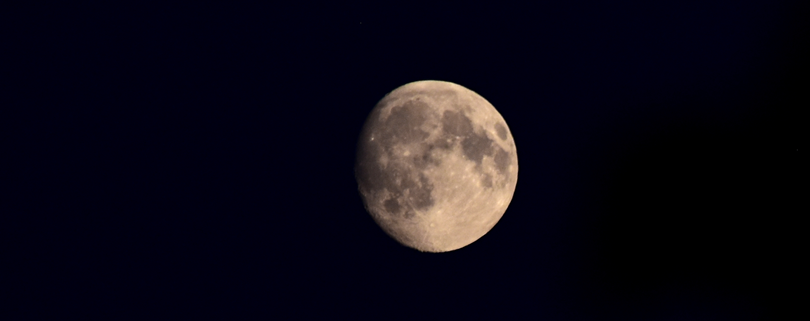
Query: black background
x=197 y=160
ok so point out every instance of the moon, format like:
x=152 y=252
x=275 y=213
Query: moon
x=436 y=165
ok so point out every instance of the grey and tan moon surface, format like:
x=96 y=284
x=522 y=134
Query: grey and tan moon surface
x=436 y=165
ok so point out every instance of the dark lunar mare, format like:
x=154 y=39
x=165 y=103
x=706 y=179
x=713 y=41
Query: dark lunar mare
x=402 y=126
x=502 y=161
x=487 y=180
x=475 y=146
x=454 y=123
x=501 y=130
x=403 y=176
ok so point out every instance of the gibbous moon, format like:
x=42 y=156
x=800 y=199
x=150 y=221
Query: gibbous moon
x=436 y=165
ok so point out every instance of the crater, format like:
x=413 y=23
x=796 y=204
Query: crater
x=391 y=205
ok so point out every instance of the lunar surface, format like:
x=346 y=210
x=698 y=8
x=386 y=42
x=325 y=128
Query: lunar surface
x=436 y=165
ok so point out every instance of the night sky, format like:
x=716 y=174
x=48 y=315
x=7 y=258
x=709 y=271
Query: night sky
x=197 y=161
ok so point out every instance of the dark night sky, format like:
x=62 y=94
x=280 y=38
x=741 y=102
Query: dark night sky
x=193 y=160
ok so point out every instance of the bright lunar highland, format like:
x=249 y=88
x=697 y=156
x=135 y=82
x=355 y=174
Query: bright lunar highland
x=436 y=165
